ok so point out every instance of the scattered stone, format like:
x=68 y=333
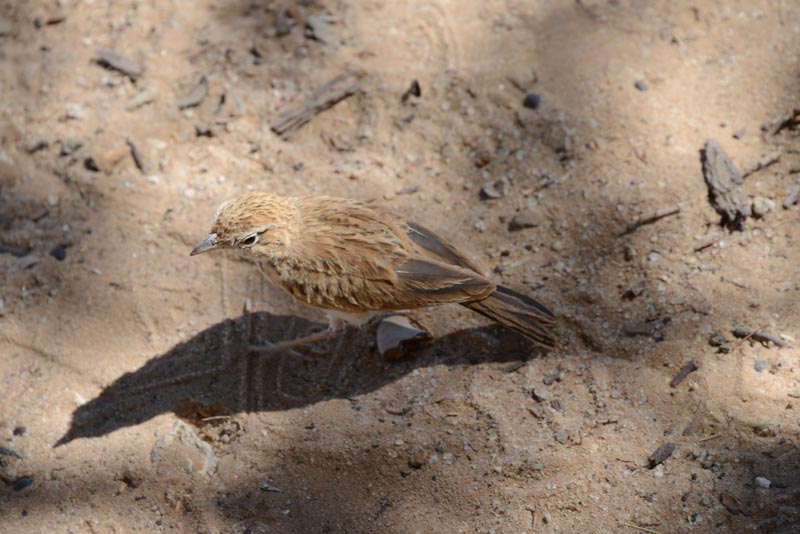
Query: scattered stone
x=495 y=189
x=74 y=111
x=196 y=95
x=539 y=395
x=140 y=99
x=417 y=458
x=532 y=101
x=53 y=200
x=791 y=197
x=660 y=455
x=70 y=145
x=22 y=483
x=131 y=479
x=26 y=262
x=118 y=62
x=654 y=256
x=59 y=252
x=201 y=129
x=561 y=436
x=20 y=431
x=5 y=27
x=180 y=451
x=761 y=206
x=718 y=340
x=105 y=159
x=522 y=77
x=319 y=28
x=634 y=291
x=641 y=86
x=724 y=182
x=738 y=134
x=762 y=482
x=397 y=334
x=36 y=146
x=414 y=90
x=759 y=365
x=550 y=378
x=528 y=217
x=629 y=253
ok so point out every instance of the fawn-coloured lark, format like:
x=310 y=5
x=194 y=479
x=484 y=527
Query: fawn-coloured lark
x=354 y=259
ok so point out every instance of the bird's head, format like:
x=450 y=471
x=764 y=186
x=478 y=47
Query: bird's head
x=258 y=223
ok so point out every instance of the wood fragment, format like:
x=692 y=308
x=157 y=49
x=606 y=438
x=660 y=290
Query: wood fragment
x=724 y=181
x=763 y=337
x=660 y=455
x=331 y=93
x=643 y=529
x=690 y=367
x=762 y=163
x=709 y=438
x=791 y=197
x=118 y=62
x=196 y=95
x=650 y=218
x=137 y=156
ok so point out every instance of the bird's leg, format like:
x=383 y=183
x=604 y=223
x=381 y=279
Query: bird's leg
x=334 y=325
x=270 y=348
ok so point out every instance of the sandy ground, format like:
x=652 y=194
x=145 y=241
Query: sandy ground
x=101 y=306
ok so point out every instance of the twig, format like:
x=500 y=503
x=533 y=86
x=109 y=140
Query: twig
x=758 y=336
x=650 y=218
x=763 y=163
x=336 y=90
x=137 y=156
x=689 y=367
x=709 y=438
x=643 y=529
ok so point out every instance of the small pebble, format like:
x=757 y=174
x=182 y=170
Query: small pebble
x=525 y=218
x=791 y=197
x=22 y=483
x=20 y=431
x=759 y=365
x=495 y=189
x=532 y=101
x=762 y=482
x=70 y=145
x=641 y=86
x=738 y=134
x=762 y=206
x=5 y=27
x=115 y=61
x=36 y=146
x=561 y=436
x=59 y=252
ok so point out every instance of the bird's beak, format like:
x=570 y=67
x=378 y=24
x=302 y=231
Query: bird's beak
x=210 y=242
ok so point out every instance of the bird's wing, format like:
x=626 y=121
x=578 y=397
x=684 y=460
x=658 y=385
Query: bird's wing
x=350 y=256
x=438 y=247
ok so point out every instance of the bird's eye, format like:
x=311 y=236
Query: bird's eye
x=249 y=240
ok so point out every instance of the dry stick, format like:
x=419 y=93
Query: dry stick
x=137 y=156
x=745 y=338
x=759 y=336
x=336 y=90
x=709 y=438
x=643 y=529
x=650 y=218
x=689 y=367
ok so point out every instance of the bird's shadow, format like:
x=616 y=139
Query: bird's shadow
x=212 y=374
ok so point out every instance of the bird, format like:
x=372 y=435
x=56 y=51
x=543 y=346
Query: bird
x=355 y=259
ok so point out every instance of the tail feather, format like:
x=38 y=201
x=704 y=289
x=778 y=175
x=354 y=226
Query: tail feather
x=519 y=313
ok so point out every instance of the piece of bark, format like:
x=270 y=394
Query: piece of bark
x=688 y=368
x=116 y=61
x=724 y=181
x=334 y=91
x=660 y=455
